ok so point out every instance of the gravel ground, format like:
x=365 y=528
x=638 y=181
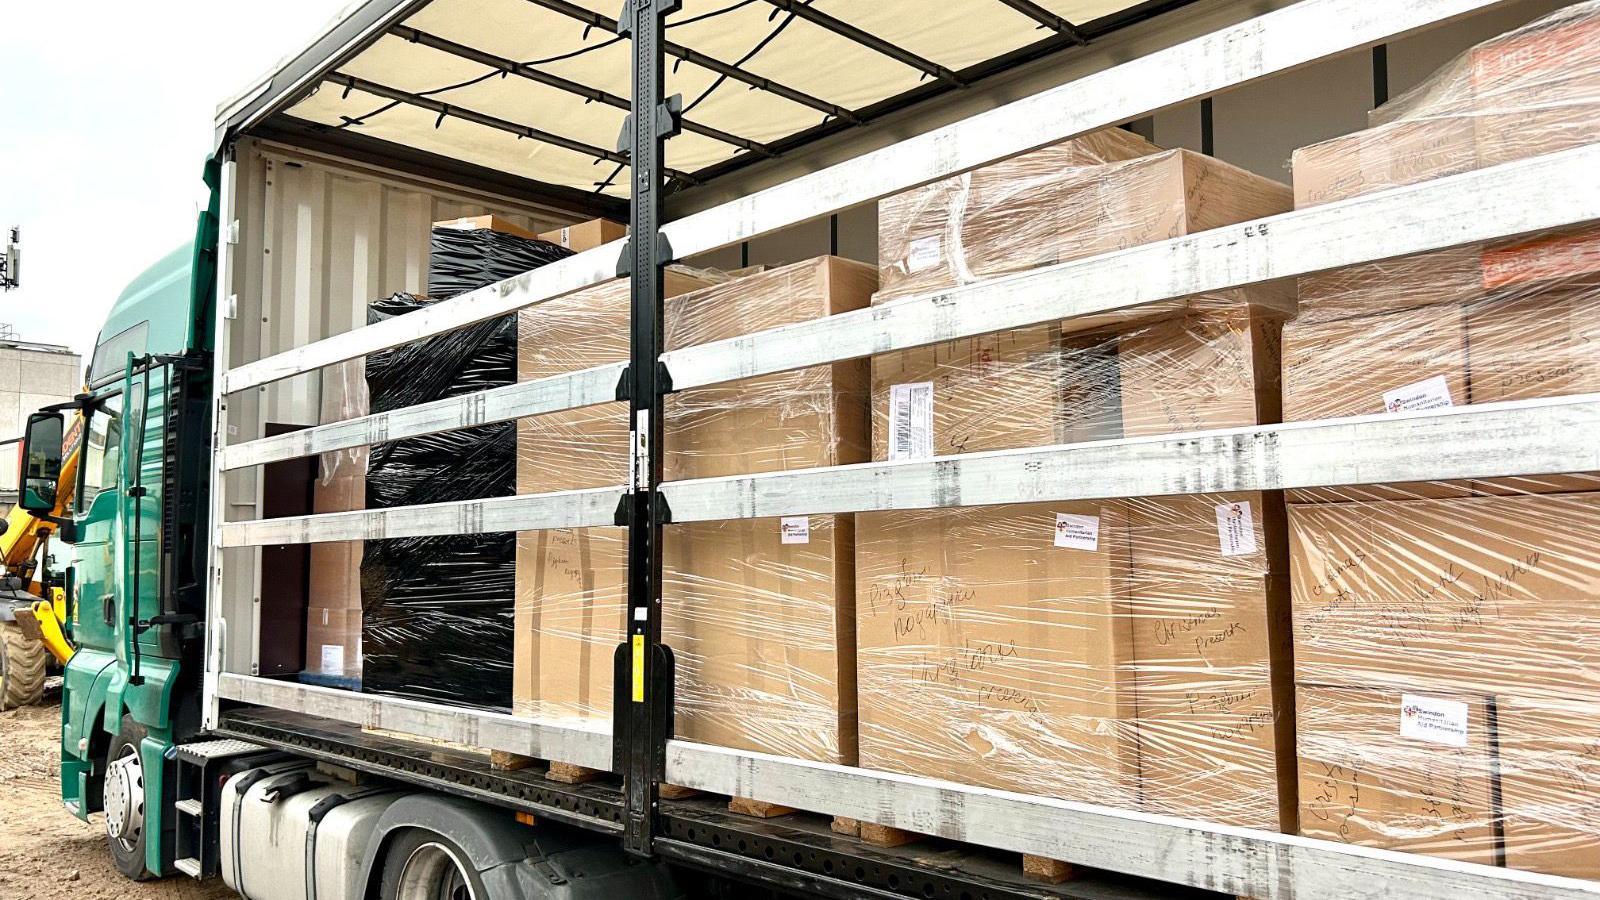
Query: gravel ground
x=44 y=851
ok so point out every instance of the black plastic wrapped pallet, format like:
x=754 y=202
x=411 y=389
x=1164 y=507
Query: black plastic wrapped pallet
x=464 y=260
x=438 y=611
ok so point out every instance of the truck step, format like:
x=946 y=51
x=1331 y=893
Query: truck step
x=188 y=866
x=189 y=807
x=220 y=749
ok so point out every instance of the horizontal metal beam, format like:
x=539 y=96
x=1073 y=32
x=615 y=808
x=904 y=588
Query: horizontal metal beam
x=609 y=25
x=1277 y=42
x=1234 y=861
x=1048 y=19
x=804 y=10
x=502 y=404
x=1270 y=44
x=524 y=512
x=1524 y=437
x=560 y=277
x=1526 y=196
x=577 y=743
x=523 y=70
x=1516 y=198
x=471 y=115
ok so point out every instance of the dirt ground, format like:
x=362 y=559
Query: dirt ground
x=44 y=851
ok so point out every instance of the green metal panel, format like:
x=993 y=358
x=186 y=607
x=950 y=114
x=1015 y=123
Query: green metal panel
x=117 y=555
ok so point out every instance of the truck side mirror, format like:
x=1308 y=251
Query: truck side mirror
x=41 y=462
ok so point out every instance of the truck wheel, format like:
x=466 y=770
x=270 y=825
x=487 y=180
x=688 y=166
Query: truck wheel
x=22 y=665
x=421 y=865
x=124 y=801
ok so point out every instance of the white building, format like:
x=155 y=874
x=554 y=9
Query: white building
x=31 y=375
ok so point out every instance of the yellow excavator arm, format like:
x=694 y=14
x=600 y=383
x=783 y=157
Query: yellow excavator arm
x=45 y=619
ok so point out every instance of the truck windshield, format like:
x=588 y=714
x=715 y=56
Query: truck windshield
x=102 y=452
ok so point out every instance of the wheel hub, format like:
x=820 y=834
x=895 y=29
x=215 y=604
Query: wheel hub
x=124 y=798
x=432 y=872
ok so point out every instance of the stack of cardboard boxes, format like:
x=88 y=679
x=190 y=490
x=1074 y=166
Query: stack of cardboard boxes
x=1448 y=699
x=1130 y=653
x=760 y=613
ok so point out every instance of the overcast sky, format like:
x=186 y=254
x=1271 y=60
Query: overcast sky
x=106 y=109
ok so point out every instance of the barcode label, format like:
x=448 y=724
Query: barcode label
x=332 y=659
x=924 y=254
x=1077 y=532
x=1433 y=393
x=911 y=421
x=1236 y=529
x=795 y=529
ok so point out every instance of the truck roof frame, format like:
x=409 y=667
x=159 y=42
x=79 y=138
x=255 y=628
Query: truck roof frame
x=269 y=103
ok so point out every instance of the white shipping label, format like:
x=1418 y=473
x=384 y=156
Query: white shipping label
x=332 y=659
x=911 y=421
x=1236 y=530
x=1077 y=532
x=1434 y=393
x=795 y=529
x=924 y=254
x=1433 y=719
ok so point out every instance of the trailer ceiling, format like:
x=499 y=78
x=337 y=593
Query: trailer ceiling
x=537 y=89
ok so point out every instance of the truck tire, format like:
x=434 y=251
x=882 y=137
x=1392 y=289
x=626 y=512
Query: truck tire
x=422 y=865
x=124 y=801
x=22 y=667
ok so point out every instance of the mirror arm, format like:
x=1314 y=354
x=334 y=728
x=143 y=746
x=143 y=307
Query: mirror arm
x=85 y=402
x=66 y=528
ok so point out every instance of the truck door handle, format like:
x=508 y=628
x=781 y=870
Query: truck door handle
x=107 y=606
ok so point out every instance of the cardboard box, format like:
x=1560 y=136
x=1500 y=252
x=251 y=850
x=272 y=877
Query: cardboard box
x=945 y=233
x=1550 y=785
x=586 y=235
x=762 y=629
x=1217 y=368
x=1536 y=89
x=761 y=619
x=1100 y=193
x=762 y=624
x=1388 y=156
x=1393 y=285
x=333 y=642
x=985 y=393
x=1209 y=605
x=1483 y=595
x=1540 y=344
x=1523 y=94
x=1210 y=369
x=586 y=447
x=992 y=645
x=335 y=568
x=491 y=223
x=1392 y=362
x=1375 y=774
x=709 y=430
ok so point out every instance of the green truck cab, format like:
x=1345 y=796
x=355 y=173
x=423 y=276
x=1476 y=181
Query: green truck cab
x=136 y=535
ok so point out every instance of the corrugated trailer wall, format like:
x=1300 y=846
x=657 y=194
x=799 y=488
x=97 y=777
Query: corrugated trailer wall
x=319 y=240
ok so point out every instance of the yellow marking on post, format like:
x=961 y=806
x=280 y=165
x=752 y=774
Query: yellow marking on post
x=638 y=668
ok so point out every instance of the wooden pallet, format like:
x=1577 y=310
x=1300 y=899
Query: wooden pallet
x=1039 y=868
x=559 y=772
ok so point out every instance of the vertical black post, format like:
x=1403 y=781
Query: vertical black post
x=1380 y=75
x=642 y=713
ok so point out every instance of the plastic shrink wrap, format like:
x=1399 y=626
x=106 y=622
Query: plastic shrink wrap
x=760 y=613
x=1448 y=693
x=1122 y=652
x=426 y=617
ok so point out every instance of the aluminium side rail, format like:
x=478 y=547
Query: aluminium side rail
x=1525 y=437
x=1515 y=198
